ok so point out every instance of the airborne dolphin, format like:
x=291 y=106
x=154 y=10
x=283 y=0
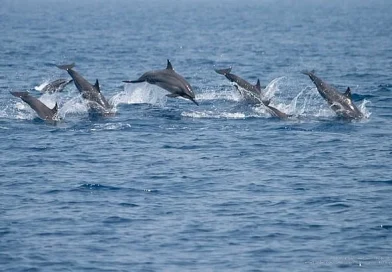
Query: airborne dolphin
x=92 y=93
x=169 y=80
x=56 y=86
x=342 y=104
x=274 y=111
x=43 y=111
x=251 y=93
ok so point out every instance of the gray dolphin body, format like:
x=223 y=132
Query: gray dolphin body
x=342 y=104
x=43 y=111
x=56 y=86
x=275 y=112
x=251 y=93
x=169 y=80
x=96 y=101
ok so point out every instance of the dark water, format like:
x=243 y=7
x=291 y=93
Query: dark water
x=165 y=185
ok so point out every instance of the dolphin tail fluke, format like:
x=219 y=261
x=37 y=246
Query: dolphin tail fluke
x=133 y=81
x=66 y=66
x=20 y=94
x=307 y=72
x=223 y=71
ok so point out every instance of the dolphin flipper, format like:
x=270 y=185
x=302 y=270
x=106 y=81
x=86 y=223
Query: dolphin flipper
x=66 y=66
x=223 y=71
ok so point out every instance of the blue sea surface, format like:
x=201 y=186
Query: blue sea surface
x=165 y=185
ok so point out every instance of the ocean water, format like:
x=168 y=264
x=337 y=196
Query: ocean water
x=165 y=185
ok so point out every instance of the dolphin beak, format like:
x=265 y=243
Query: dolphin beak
x=194 y=101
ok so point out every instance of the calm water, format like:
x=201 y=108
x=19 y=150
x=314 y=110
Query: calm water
x=165 y=185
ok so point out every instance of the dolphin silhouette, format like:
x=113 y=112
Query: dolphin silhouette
x=342 y=104
x=92 y=93
x=43 y=111
x=56 y=86
x=169 y=80
x=251 y=93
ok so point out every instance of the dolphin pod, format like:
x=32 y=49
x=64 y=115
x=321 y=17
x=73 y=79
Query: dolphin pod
x=169 y=80
x=341 y=103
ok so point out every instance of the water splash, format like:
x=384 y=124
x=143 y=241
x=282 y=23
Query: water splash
x=140 y=94
x=40 y=87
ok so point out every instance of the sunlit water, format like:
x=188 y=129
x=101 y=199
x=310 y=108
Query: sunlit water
x=165 y=185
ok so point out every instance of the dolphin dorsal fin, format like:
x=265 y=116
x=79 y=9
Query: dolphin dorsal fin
x=348 y=93
x=55 y=108
x=96 y=85
x=258 y=87
x=169 y=66
x=266 y=102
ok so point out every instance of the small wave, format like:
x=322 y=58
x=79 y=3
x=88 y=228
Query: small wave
x=218 y=115
x=110 y=126
x=97 y=186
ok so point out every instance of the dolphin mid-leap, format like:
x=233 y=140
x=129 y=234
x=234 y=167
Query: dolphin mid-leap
x=57 y=85
x=251 y=93
x=43 y=111
x=342 y=104
x=169 y=80
x=92 y=93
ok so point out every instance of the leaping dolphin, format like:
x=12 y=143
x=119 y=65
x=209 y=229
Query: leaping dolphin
x=169 y=80
x=92 y=93
x=342 y=104
x=251 y=93
x=43 y=111
x=274 y=111
x=56 y=86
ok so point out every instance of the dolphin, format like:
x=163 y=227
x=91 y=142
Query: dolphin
x=251 y=93
x=274 y=111
x=56 y=86
x=169 y=80
x=43 y=111
x=92 y=93
x=342 y=104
